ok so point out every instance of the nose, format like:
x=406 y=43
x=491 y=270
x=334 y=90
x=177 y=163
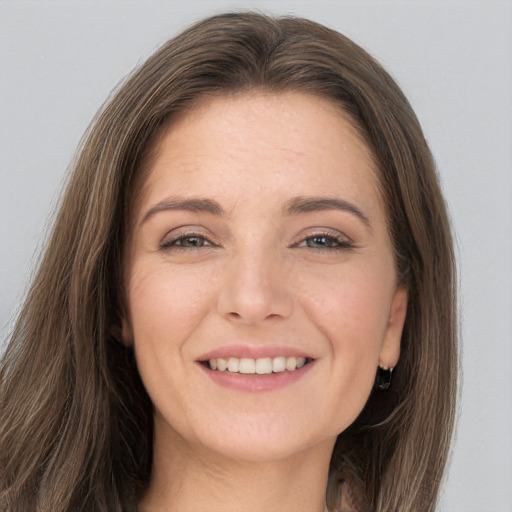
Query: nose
x=255 y=289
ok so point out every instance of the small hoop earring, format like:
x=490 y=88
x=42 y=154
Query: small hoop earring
x=383 y=381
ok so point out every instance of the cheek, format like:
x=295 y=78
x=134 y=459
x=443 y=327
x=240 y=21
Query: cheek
x=352 y=312
x=157 y=296
x=352 y=309
x=165 y=307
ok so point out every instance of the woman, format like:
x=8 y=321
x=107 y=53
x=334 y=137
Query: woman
x=248 y=299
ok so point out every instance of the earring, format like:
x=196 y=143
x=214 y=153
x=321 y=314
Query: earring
x=383 y=380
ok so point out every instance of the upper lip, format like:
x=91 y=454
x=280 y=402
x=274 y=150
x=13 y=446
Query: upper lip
x=254 y=352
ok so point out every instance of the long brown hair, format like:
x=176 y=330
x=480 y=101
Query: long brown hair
x=76 y=430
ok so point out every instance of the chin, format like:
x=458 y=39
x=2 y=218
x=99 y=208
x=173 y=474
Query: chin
x=263 y=438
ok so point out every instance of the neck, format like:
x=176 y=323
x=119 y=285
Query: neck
x=185 y=479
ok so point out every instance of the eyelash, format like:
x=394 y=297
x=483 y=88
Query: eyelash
x=332 y=241
x=174 y=243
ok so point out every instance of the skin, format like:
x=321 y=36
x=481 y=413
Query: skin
x=320 y=282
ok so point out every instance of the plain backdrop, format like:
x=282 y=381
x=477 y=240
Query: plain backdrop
x=60 y=59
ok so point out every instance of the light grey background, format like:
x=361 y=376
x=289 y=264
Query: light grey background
x=60 y=59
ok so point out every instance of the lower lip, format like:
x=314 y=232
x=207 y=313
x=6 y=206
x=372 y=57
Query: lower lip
x=255 y=382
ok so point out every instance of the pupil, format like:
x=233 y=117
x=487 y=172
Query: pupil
x=191 y=242
x=320 y=241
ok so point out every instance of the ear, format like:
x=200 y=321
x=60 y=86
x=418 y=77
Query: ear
x=390 y=350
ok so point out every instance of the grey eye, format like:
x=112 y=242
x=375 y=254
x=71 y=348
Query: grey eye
x=191 y=241
x=187 y=242
x=322 y=242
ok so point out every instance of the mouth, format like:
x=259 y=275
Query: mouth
x=259 y=366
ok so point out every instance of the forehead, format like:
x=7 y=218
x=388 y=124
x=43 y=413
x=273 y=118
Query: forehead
x=259 y=142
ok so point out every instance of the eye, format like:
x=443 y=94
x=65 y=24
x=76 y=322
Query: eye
x=325 y=241
x=321 y=242
x=187 y=241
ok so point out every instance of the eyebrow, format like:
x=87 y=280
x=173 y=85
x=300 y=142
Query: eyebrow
x=299 y=205
x=195 y=204
x=294 y=206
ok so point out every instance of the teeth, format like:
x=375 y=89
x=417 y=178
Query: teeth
x=233 y=364
x=260 y=366
x=263 y=365
x=246 y=365
x=291 y=364
x=278 y=364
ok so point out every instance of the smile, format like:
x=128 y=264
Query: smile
x=260 y=366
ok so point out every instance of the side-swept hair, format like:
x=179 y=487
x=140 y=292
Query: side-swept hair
x=76 y=429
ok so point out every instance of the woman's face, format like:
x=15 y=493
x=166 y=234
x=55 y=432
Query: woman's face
x=259 y=242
